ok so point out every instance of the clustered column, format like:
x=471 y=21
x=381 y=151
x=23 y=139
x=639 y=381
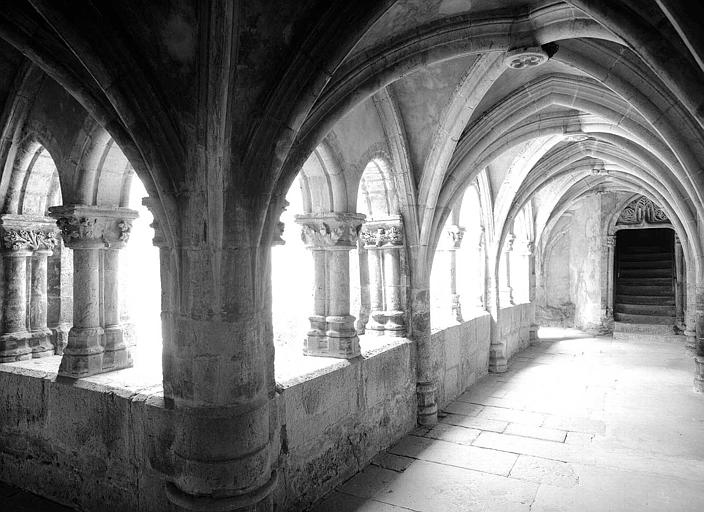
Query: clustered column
x=506 y=291
x=26 y=243
x=96 y=342
x=330 y=238
x=530 y=255
x=383 y=241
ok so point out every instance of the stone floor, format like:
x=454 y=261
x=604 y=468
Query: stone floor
x=577 y=424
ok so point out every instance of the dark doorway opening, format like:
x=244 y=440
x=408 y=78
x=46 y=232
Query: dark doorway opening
x=644 y=272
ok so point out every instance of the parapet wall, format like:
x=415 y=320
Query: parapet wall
x=97 y=443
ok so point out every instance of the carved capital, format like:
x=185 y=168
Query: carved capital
x=278 y=239
x=330 y=230
x=456 y=234
x=610 y=240
x=383 y=233
x=84 y=227
x=27 y=233
x=508 y=244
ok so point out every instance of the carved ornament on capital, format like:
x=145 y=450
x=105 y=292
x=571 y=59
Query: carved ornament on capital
x=456 y=234
x=27 y=233
x=383 y=233
x=330 y=230
x=508 y=244
x=94 y=227
x=611 y=240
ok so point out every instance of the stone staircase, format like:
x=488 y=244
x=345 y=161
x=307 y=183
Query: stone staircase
x=644 y=305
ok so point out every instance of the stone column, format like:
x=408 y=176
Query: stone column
x=498 y=362
x=60 y=294
x=608 y=299
x=679 y=305
x=23 y=336
x=330 y=237
x=426 y=388
x=456 y=234
x=530 y=255
x=480 y=293
x=505 y=290
x=41 y=334
x=383 y=242
x=88 y=231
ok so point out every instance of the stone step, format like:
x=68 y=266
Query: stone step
x=640 y=336
x=641 y=328
x=645 y=273
x=636 y=256
x=664 y=291
x=647 y=281
x=646 y=309
x=632 y=318
x=646 y=264
x=665 y=300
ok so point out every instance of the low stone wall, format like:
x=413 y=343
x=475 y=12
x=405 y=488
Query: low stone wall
x=460 y=356
x=95 y=443
x=514 y=327
x=333 y=424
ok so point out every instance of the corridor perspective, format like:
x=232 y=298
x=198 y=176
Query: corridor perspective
x=578 y=424
x=294 y=255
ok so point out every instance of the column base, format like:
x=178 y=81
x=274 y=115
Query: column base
x=691 y=343
x=14 y=346
x=699 y=376
x=40 y=343
x=262 y=497
x=83 y=356
x=395 y=324
x=497 y=361
x=116 y=354
x=59 y=337
x=427 y=404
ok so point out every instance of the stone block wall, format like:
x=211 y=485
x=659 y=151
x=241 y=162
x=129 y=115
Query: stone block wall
x=332 y=425
x=95 y=446
x=513 y=327
x=461 y=356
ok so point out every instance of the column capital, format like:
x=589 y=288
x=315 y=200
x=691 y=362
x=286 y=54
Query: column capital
x=508 y=243
x=93 y=227
x=610 y=240
x=27 y=233
x=381 y=233
x=157 y=211
x=677 y=240
x=330 y=230
x=456 y=234
x=278 y=238
x=526 y=248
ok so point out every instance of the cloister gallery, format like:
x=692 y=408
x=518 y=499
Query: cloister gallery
x=248 y=247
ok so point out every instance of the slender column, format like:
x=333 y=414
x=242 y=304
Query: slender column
x=330 y=237
x=426 y=387
x=679 y=305
x=383 y=242
x=480 y=294
x=506 y=292
x=610 y=246
x=41 y=334
x=60 y=294
x=456 y=234
x=89 y=231
x=14 y=341
x=498 y=362
x=530 y=255
x=24 y=336
x=364 y=298
x=376 y=284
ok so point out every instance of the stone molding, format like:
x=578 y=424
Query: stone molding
x=610 y=240
x=383 y=233
x=93 y=227
x=642 y=211
x=330 y=230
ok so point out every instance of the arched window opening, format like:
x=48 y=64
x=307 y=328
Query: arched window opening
x=140 y=283
x=470 y=260
x=291 y=283
x=445 y=308
x=378 y=295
